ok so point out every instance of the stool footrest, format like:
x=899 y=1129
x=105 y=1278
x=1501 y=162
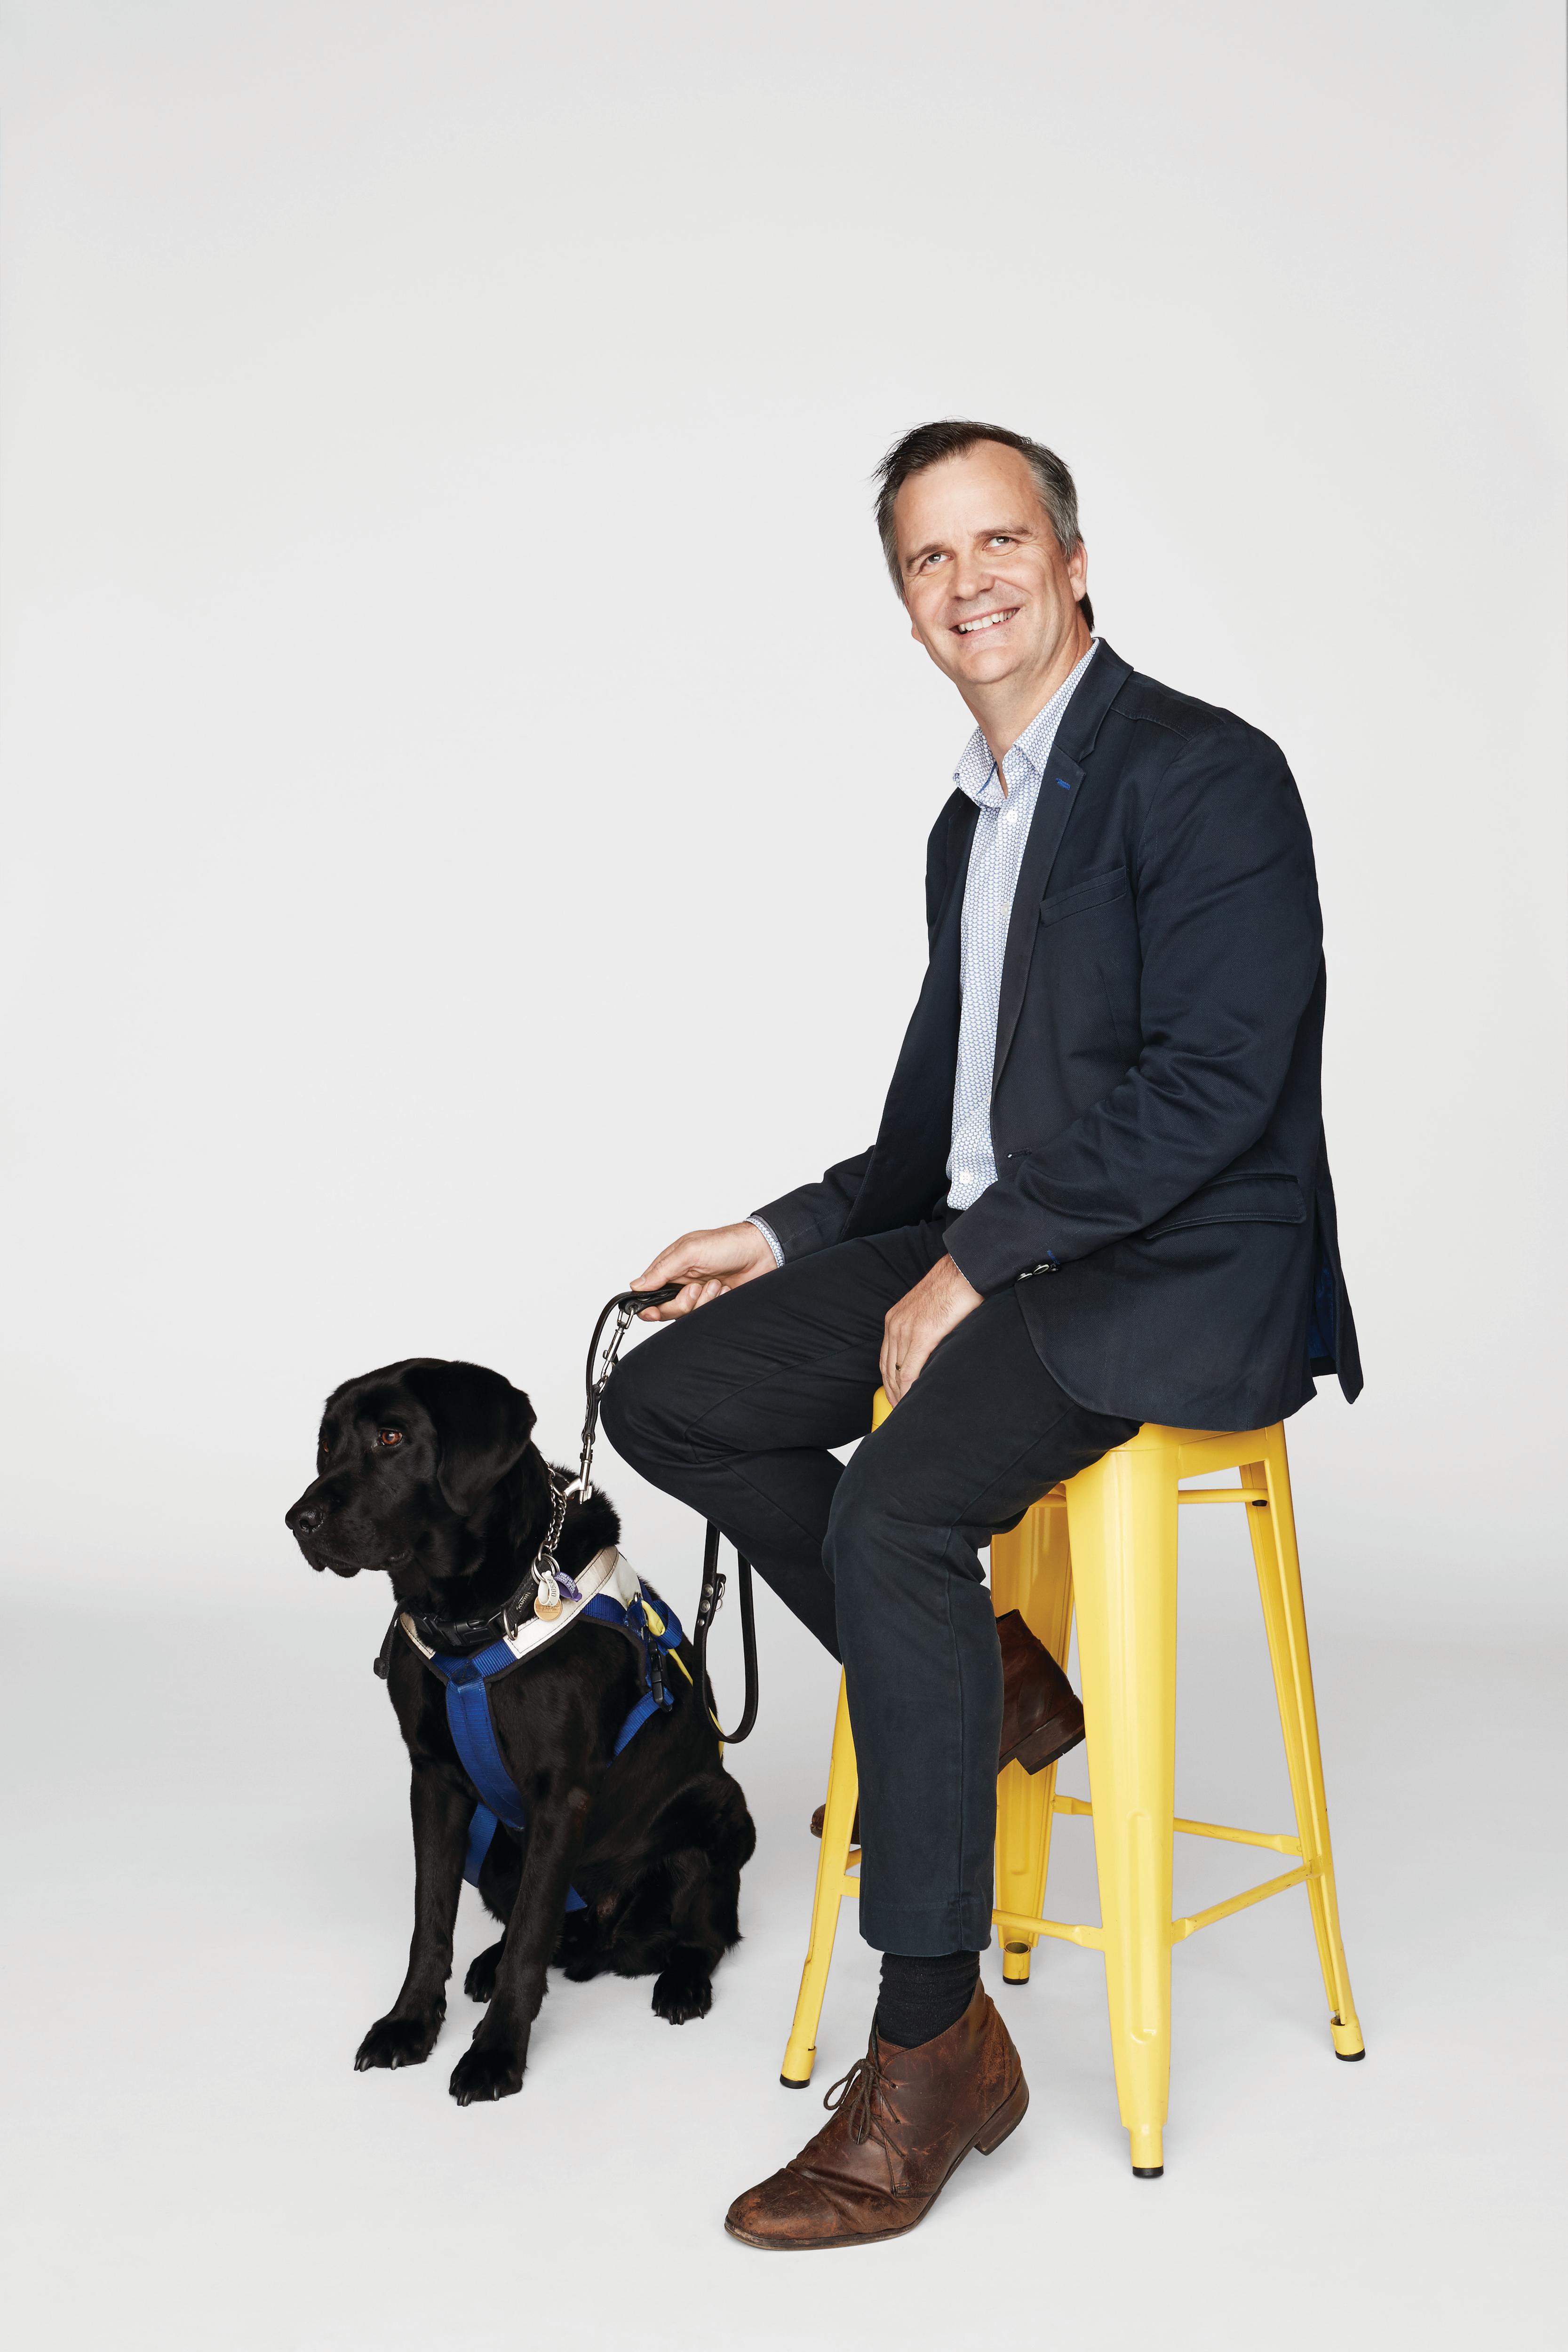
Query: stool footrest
x=1182 y=1928
x=1014 y=1923
x=1276 y=1841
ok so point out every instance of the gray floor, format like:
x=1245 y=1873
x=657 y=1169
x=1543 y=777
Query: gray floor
x=206 y=1827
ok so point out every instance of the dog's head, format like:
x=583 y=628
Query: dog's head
x=415 y=1473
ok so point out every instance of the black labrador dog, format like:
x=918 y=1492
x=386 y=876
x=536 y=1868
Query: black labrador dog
x=427 y=1470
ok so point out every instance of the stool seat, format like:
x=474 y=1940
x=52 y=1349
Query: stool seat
x=1106 y=1541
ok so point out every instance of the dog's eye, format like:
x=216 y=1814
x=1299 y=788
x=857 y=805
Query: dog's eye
x=389 y=1437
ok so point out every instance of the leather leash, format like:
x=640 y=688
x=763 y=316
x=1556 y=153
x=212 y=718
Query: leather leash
x=624 y=1307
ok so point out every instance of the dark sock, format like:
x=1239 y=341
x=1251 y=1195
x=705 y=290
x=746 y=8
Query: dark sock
x=921 y=1998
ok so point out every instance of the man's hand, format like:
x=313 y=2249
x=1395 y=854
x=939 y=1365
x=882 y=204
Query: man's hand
x=705 y=1264
x=922 y=1317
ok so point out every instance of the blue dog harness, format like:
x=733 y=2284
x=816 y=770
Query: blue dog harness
x=622 y=1603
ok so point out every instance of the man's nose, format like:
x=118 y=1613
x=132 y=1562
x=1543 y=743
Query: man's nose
x=305 y=1518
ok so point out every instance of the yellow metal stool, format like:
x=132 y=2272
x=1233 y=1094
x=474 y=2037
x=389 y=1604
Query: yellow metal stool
x=1108 y=1537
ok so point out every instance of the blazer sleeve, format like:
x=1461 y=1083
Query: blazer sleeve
x=1231 y=941
x=814 y=1216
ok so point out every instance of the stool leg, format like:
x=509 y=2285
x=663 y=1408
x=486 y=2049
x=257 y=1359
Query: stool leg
x=1285 y=1619
x=1031 y=1570
x=1121 y=1516
x=843 y=1792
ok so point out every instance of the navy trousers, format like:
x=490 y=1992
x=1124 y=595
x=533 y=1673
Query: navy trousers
x=734 y=1409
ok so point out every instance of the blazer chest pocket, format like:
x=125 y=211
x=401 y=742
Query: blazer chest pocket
x=1094 y=890
x=1237 y=1200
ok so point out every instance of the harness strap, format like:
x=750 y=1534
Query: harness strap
x=654 y=1630
x=648 y=1704
x=474 y=1735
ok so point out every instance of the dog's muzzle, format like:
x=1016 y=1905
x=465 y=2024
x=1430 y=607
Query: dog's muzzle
x=304 y=1522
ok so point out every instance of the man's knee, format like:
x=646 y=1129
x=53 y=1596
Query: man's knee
x=635 y=1412
x=890 y=1521
x=862 y=1521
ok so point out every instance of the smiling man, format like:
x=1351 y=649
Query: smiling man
x=1099 y=1195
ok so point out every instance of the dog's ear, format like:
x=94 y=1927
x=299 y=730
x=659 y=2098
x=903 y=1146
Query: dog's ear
x=483 y=1426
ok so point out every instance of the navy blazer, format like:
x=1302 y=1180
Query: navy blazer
x=1163 y=1198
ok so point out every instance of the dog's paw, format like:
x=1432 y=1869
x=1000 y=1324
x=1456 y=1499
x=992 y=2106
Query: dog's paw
x=486 y=2071
x=398 y=2041
x=480 y=1981
x=684 y=1989
x=581 y=1952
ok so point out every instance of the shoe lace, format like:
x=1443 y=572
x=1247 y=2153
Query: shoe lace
x=856 y=2092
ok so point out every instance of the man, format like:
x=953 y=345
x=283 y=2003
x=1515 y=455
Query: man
x=1098 y=1196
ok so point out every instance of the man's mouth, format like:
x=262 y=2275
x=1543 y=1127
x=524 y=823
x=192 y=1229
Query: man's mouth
x=984 y=621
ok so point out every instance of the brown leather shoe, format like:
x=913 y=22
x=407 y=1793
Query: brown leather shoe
x=1041 y=1714
x=821 y=1815
x=903 y=2121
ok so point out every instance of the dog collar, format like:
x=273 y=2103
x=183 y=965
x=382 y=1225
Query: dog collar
x=608 y=1572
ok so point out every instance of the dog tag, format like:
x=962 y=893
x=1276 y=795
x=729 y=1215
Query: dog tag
x=547 y=1601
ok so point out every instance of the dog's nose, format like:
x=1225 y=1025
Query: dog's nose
x=305 y=1517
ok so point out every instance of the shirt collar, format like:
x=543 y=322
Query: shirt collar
x=976 y=771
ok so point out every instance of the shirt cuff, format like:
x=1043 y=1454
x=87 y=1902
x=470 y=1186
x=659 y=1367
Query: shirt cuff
x=768 y=1236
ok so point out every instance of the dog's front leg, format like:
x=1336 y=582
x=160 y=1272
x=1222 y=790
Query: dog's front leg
x=491 y=2067
x=443 y=1809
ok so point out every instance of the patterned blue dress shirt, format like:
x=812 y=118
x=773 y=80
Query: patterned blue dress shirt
x=1001 y=834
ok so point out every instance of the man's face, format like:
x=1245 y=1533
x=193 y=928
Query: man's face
x=990 y=594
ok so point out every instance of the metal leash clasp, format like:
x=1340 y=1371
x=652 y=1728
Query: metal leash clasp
x=628 y=1306
x=596 y=1388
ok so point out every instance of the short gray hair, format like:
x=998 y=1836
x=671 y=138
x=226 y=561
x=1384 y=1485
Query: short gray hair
x=928 y=445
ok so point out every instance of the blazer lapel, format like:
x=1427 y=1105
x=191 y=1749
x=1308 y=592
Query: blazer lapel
x=931 y=1039
x=960 y=841
x=1059 y=789
x=920 y=1102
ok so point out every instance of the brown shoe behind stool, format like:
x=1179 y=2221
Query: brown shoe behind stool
x=1041 y=1714
x=903 y=2122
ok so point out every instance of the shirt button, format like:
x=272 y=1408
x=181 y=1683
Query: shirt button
x=1012 y=817
x=963 y=1176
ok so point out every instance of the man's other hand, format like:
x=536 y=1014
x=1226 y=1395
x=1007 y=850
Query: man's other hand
x=705 y=1264
x=921 y=1320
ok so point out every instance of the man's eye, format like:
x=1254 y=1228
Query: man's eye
x=389 y=1437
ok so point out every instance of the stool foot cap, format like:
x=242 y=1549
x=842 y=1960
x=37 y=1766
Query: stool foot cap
x=1350 y=2056
x=790 y=2084
x=1148 y=2172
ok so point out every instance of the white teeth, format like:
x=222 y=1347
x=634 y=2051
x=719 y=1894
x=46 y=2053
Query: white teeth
x=986 y=620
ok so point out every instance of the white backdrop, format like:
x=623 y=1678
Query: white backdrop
x=466 y=775
x=466 y=781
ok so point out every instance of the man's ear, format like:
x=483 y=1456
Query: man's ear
x=482 y=1427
